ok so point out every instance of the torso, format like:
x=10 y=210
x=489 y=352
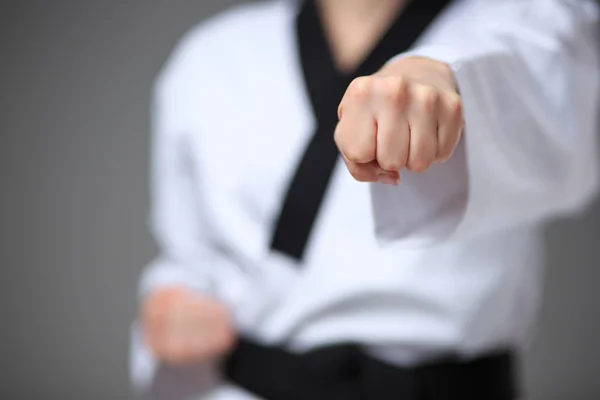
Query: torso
x=355 y=283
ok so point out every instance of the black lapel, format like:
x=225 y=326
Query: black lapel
x=326 y=87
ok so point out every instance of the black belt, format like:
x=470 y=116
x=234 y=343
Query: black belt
x=344 y=372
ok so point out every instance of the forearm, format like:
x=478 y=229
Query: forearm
x=528 y=79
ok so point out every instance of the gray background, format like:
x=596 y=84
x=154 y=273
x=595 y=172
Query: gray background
x=75 y=78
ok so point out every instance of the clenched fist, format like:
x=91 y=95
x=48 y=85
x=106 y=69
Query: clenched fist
x=182 y=327
x=408 y=115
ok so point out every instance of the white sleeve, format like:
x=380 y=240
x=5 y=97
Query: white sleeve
x=176 y=218
x=185 y=257
x=528 y=73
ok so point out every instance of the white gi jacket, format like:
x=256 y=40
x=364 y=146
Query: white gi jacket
x=449 y=260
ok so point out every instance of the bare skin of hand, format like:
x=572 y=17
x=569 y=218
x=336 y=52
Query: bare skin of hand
x=182 y=327
x=407 y=115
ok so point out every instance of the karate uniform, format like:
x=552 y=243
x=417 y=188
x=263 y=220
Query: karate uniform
x=448 y=262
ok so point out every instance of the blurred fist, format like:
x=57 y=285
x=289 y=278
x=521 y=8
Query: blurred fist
x=407 y=115
x=182 y=327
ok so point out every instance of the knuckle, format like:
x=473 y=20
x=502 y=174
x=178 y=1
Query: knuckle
x=357 y=172
x=455 y=106
x=353 y=169
x=402 y=89
x=360 y=88
x=389 y=165
x=443 y=155
x=421 y=159
x=394 y=90
x=338 y=135
x=358 y=154
x=446 y=151
x=418 y=165
x=429 y=98
x=387 y=89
